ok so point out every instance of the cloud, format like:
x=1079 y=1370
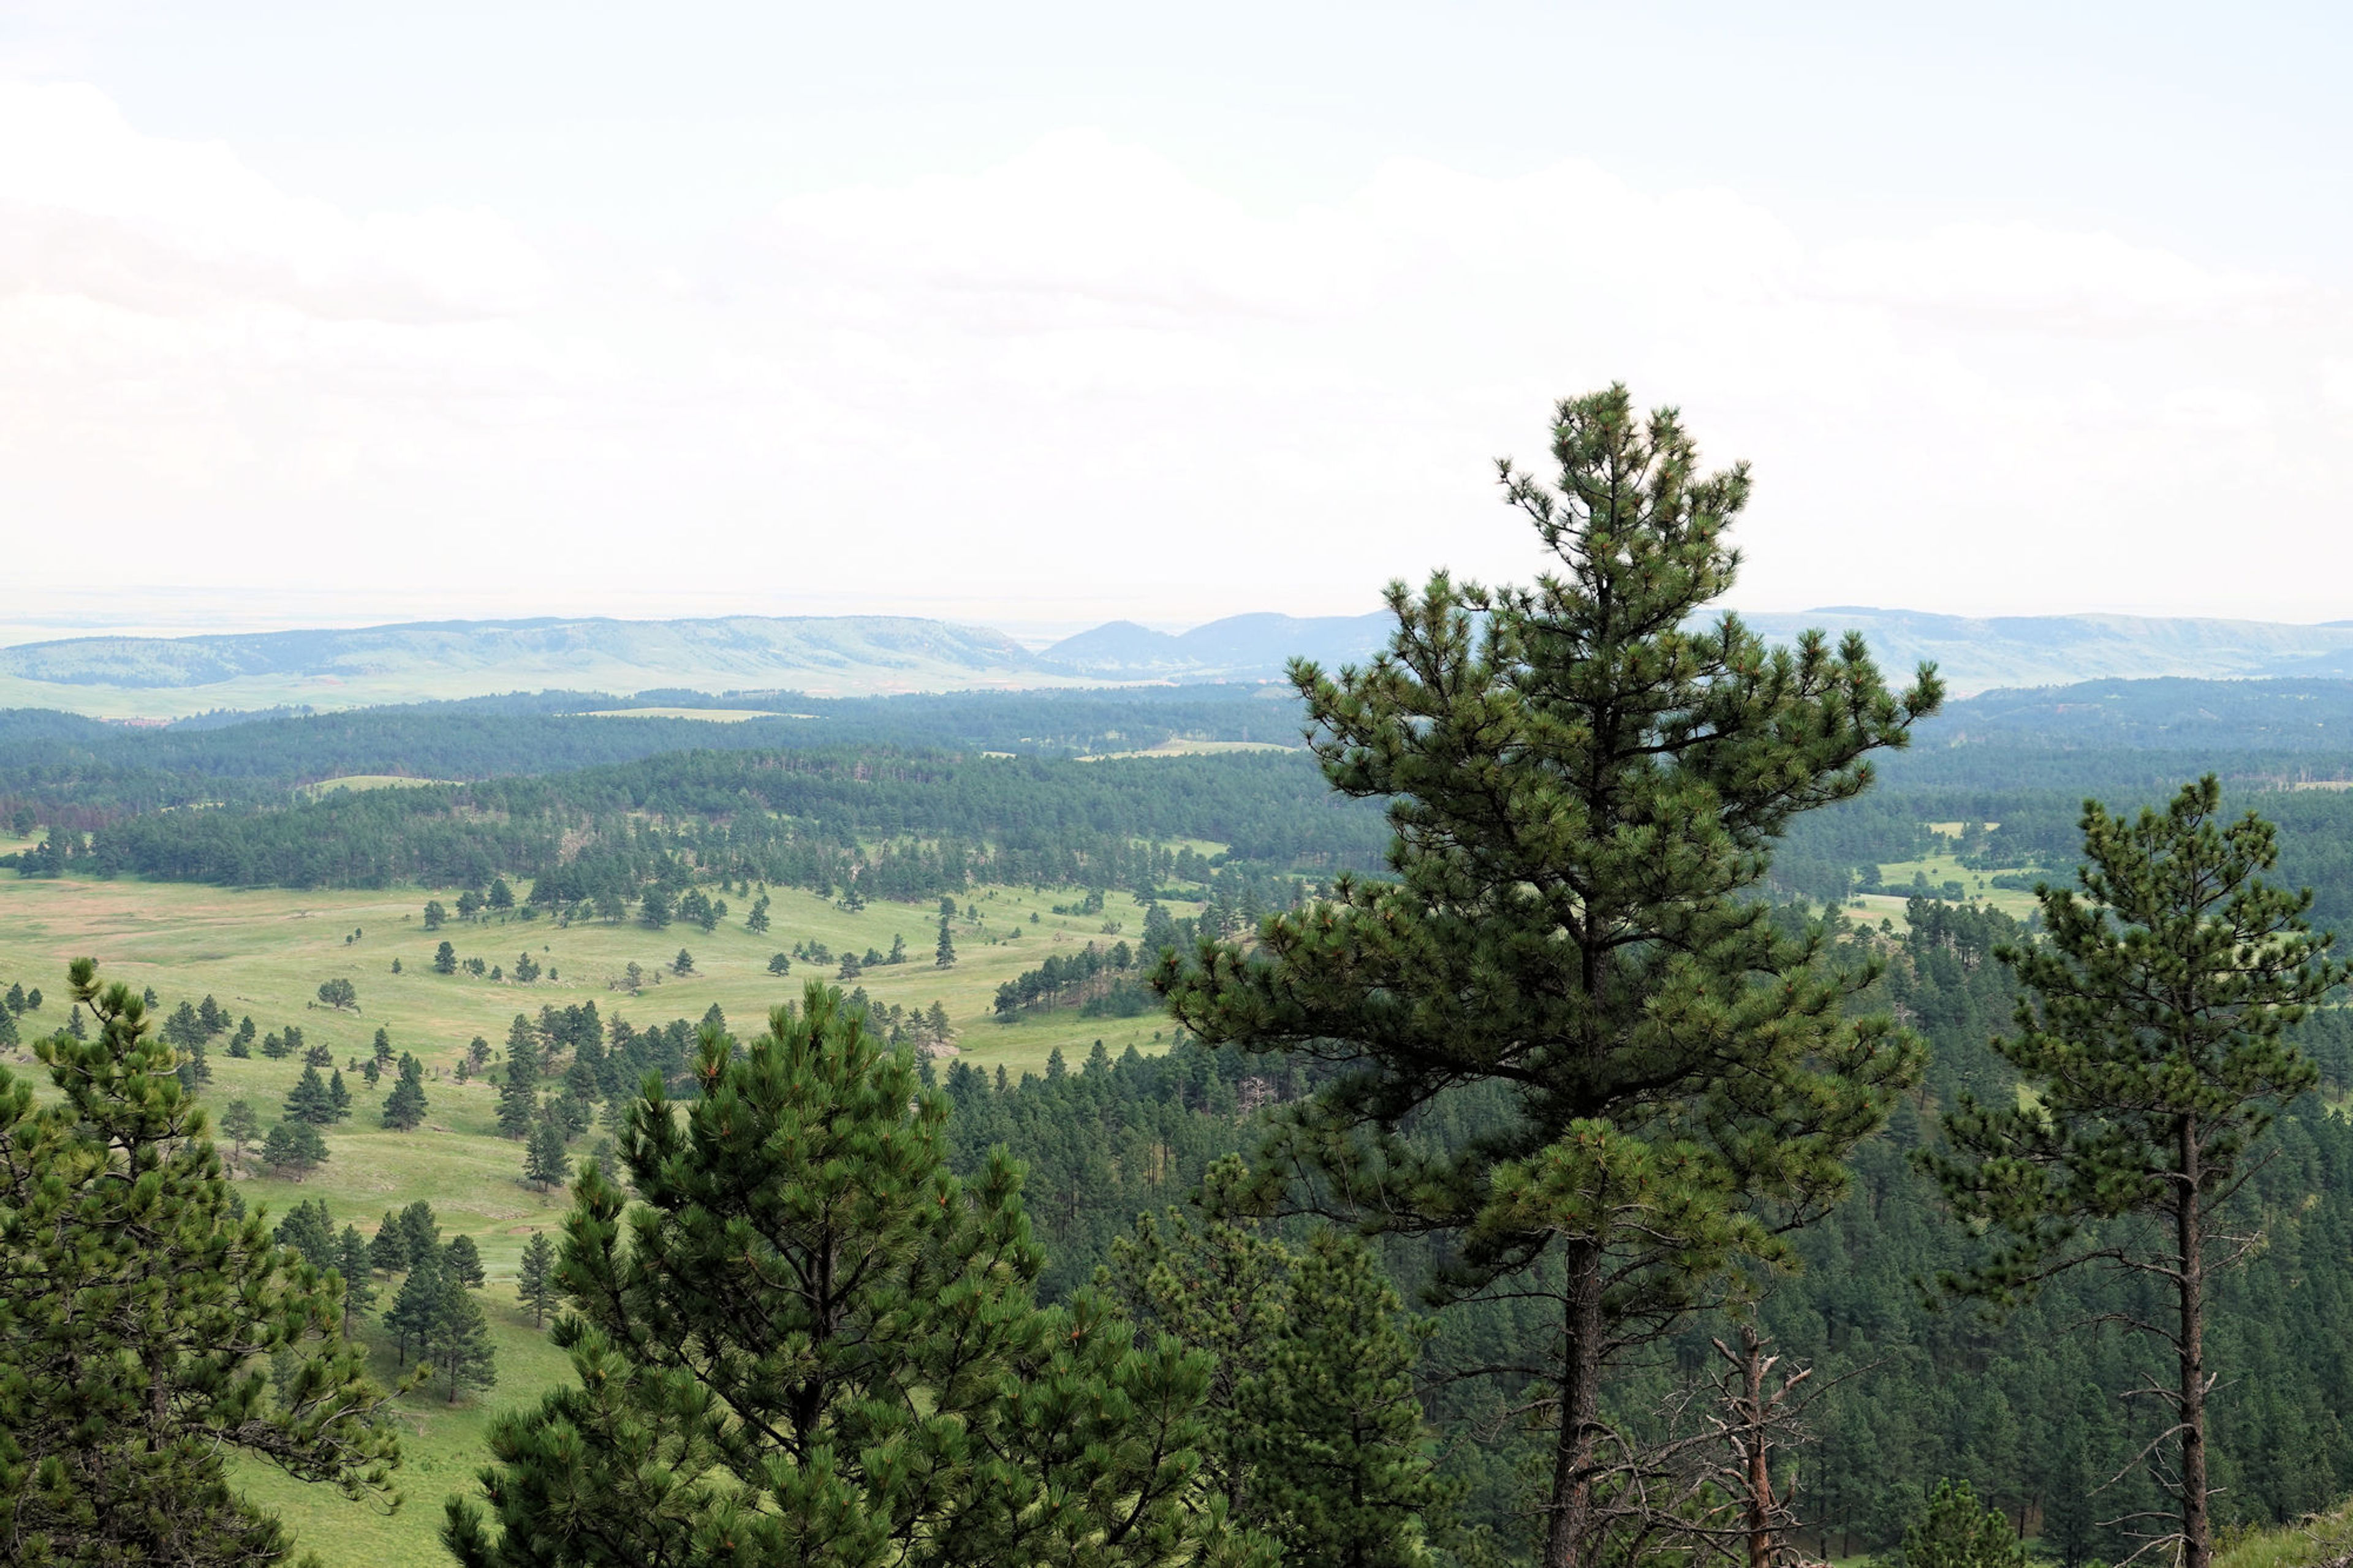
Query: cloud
x=89 y=206
x=1083 y=377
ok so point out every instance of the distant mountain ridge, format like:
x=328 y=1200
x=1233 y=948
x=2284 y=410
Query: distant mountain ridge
x=1239 y=648
x=417 y=661
x=1983 y=653
x=848 y=655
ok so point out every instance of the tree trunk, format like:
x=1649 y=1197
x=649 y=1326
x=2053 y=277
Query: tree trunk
x=1571 y=1506
x=1760 y=1472
x=2197 y=1534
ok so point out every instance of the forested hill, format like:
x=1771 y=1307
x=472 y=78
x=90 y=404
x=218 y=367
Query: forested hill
x=82 y=772
x=913 y=822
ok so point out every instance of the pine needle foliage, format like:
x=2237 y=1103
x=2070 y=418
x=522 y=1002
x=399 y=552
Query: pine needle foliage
x=2150 y=1035
x=138 y=1308
x=1586 y=781
x=809 y=1344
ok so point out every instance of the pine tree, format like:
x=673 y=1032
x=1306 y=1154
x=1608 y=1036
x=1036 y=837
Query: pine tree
x=2070 y=1520
x=456 y=1341
x=445 y=959
x=405 y=1107
x=1585 y=785
x=388 y=1249
x=860 y=1375
x=294 y=1148
x=943 y=956
x=352 y=1260
x=420 y=1233
x=240 y=1126
x=463 y=1260
x=308 y=1101
x=1221 y=1287
x=2149 y=1039
x=1956 y=1530
x=308 y=1230
x=519 y=1092
x=417 y=1308
x=1331 y=1431
x=339 y=1099
x=536 y=1281
x=545 y=1163
x=183 y=1029
x=138 y=1312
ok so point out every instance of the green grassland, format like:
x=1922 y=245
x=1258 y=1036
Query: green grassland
x=712 y=715
x=370 y=781
x=264 y=952
x=1939 y=868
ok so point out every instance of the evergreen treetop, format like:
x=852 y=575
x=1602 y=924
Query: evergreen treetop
x=818 y=1346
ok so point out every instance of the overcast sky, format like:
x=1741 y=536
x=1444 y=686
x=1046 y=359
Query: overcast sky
x=1037 y=315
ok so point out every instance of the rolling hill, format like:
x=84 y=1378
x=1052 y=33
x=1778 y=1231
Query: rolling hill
x=855 y=655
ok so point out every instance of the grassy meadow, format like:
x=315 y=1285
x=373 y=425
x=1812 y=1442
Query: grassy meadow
x=1940 y=868
x=263 y=953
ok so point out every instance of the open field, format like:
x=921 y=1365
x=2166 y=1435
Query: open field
x=371 y=781
x=264 y=952
x=715 y=715
x=1180 y=747
x=1938 y=868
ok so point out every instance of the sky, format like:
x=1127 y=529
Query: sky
x=1040 y=315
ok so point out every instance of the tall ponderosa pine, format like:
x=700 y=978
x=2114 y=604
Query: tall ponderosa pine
x=2149 y=1036
x=1586 y=787
x=519 y=1092
x=405 y=1107
x=294 y=1148
x=463 y=1258
x=545 y=1163
x=809 y=1344
x=388 y=1247
x=420 y=1232
x=352 y=1262
x=309 y=1230
x=457 y=1338
x=535 y=1279
x=137 y=1309
x=418 y=1306
x=310 y=1101
x=240 y=1126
